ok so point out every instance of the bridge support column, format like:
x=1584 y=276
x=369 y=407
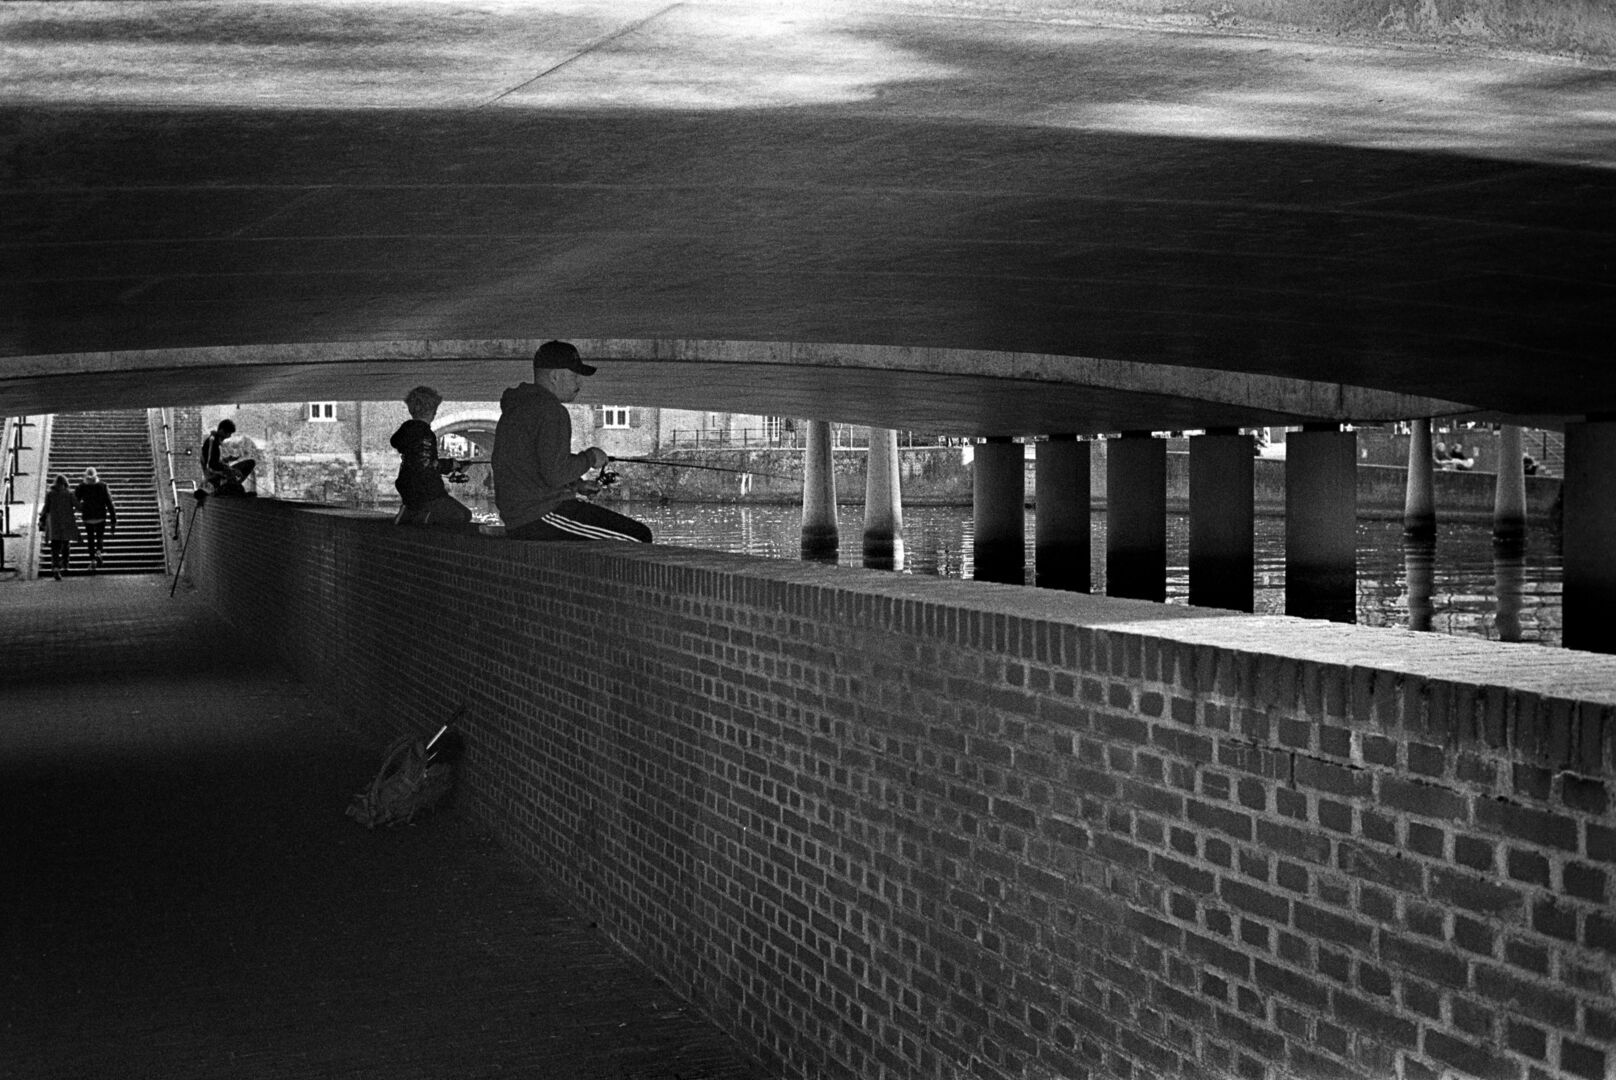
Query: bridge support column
x=883 y=503
x=820 y=540
x=1136 y=517
x=998 y=491
x=1222 y=521
x=1061 y=544
x=1589 y=535
x=1321 y=523
x=1509 y=496
x=1419 y=504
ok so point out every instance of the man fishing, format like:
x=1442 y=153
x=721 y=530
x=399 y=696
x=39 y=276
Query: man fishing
x=221 y=474
x=537 y=477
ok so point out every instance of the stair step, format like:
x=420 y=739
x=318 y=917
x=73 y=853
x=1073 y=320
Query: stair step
x=117 y=445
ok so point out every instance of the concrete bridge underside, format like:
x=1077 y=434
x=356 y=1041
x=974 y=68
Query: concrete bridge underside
x=949 y=215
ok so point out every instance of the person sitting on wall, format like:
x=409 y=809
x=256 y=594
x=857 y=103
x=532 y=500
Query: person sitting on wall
x=537 y=477
x=1458 y=459
x=420 y=470
x=221 y=475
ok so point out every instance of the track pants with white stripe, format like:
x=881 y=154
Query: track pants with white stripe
x=579 y=520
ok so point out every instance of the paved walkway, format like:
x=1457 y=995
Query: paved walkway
x=182 y=896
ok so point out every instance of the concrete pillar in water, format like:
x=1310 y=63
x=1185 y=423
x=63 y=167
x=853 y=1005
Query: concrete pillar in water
x=1223 y=518
x=1509 y=497
x=883 y=503
x=1136 y=517
x=998 y=486
x=1589 y=536
x=1321 y=523
x=820 y=540
x=1419 y=505
x=1061 y=544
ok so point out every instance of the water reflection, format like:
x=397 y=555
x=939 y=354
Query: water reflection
x=1509 y=586
x=1457 y=585
x=1464 y=598
x=1419 y=570
x=884 y=556
x=883 y=552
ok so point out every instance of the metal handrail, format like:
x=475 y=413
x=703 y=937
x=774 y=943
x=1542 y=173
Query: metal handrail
x=10 y=471
x=168 y=460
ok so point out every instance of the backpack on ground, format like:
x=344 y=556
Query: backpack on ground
x=415 y=777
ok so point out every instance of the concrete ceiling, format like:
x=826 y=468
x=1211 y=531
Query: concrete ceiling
x=901 y=214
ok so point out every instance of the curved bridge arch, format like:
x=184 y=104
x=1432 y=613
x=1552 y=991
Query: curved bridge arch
x=973 y=392
x=477 y=425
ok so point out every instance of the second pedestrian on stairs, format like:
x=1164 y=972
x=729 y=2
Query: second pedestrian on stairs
x=59 y=520
x=100 y=517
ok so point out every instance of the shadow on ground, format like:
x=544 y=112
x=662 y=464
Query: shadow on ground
x=184 y=897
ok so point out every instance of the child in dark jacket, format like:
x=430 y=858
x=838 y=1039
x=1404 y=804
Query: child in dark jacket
x=420 y=470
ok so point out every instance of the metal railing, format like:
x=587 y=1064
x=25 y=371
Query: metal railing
x=843 y=437
x=167 y=417
x=11 y=469
x=728 y=439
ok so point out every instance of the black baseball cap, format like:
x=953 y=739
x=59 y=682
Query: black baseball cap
x=561 y=354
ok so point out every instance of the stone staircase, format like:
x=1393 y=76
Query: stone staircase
x=118 y=445
x=1548 y=447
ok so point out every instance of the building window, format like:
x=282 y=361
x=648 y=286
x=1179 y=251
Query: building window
x=771 y=428
x=322 y=411
x=614 y=416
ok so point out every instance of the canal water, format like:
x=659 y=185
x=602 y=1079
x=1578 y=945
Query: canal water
x=1458 y=587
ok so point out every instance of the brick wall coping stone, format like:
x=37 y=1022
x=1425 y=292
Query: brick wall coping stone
x=1567 y=676
x=1536 y=669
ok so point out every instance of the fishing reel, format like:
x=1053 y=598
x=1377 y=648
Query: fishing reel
x=458 y=474
x=604 y=478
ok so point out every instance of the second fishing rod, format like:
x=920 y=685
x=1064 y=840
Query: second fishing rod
x=609 y=476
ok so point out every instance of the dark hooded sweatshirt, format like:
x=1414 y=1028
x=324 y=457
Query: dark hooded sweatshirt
x=534 y=466
x=420 y=472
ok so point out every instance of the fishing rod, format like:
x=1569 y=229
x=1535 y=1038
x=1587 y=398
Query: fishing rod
x=710 y=468
x=201 y=497
x=458 y=475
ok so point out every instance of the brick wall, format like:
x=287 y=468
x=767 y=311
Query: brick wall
x=886 y=826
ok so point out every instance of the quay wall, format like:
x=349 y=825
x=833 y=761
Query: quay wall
x=880 y=826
